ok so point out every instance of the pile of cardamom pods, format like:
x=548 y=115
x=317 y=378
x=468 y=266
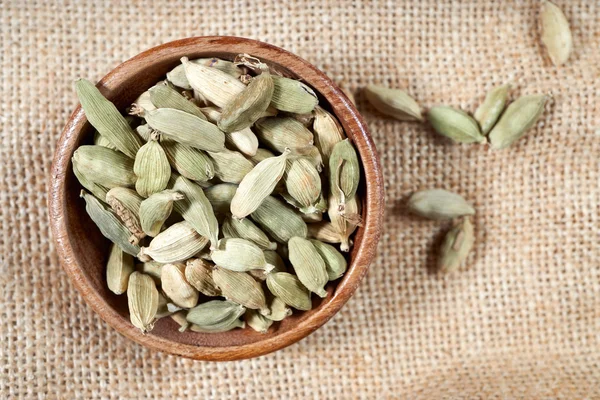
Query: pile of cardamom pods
x=221 y=228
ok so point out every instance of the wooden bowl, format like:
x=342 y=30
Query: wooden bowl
x=83 y=250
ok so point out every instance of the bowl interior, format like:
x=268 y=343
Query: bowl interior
x=83 y=249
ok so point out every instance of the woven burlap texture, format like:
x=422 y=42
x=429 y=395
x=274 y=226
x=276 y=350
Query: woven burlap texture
x=521 y=321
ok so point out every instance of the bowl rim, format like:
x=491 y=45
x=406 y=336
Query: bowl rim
x=363 y=256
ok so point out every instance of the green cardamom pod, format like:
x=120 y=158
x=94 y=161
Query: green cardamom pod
x=303 y=183
x=241 y=288
x=519 y=117
x=198 y=273
x=393 y=102
x=455 y=124
x=109 y=224
x=260 y=155
x=144 y=131
x=279 y=220
x=176 y=286
x=439 y=204
x=335 y=263
x=289 y=289
x=257 y=321
x=155 y=210
x=325 y=232
x=100 y=140
x=328 y=132
x=308 y=265
x=344 y=171
x=489 y=111
x=126 y=204
x=555 y=33
x=178 y=78
x=310 y=153
x=175 y=244
x=345 y=219
x=245 y=141
x=142 y=298
x=118 y=268
x=280 y=133
x=216 y=86
x=293 y=96
x=230 y=166
x=97 y=190
x=104 y=116
x=220 y=196
x=456 y=246
x=273 y=259
x=239 y=255
x=279 y=310
x=163 y=96
x=104 y=166
x=258 y=184
x=151 y=168
x=245 y=229
x=216 y=316
x=192 y=163
x=142 y=104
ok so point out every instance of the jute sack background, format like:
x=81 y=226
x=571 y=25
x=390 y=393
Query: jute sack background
x=521 y=321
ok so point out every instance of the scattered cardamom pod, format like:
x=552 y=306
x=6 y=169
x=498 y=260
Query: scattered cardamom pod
x=126 y=204
x=175 y=244
x=180 y=318
x=455 y=124
x=308 y=265
x=260 y=155
x=241 y=288
x=293 y=96
x=393 y=102
x=220 y=197
x=556 y=34
x=335 y=263
x=303 y=184
x=198 y=273
x=289 y=289
x=279 y=220
x=155 y=210
x=280 y=133
x=489 y=111
x=175 y=285
x=245 y=229
x=456 y=246
x=245 y=141
x=279 y=310
x=216 y=316
x=230 y=166
x=519 y=117
x=239 y=255
x=257 y=321
x=104 y=166
x=439 y=204
x=328 y=132
x=118 y=268
x=142 y=298
x=100 y=140
x=216 y=86
x=163 y=96
x=151 y=168
x=344 y=171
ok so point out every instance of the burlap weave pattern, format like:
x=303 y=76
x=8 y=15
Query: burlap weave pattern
x=521 y=321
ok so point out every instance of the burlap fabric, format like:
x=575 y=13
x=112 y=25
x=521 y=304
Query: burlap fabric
x=521 y=321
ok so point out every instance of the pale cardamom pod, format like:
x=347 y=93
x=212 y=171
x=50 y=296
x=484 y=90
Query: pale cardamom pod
x=455 y=124
x=257 y=321
x=260 y=155
x=439 y=204
x=142 y=104
x=198 y=273
x=155 y=210
x=393 y=102
x=109 y=224
x=279 y=310
x=344 y=171
x=142 y=298
x=556 y=34
x=280 y=133
x=293 y=96
x=316 y=216
x=241 y=288
x=178 y=78
x=230 y=166
x=245 y=229
x=100 y=140
x=180 y=318
x=311 y=153
x=175 y=244
x=325 y=232
x=192 y=163
x=258 y=184
x=104 y=166
x=489 y=111
x=308 y=265
x=216 y=316
x=328 y=132
x=187 y=129
x=97 y=190
x=151 y=168
x=244 y=140
x=104 y=116
x=216 y=86
x=163 y=96
x=144 y=131
x=118 y=268
x=304 y=119
x=456 y=246
x=220 y=196
x=126 y=204
x=345 y=219
x=175 y=285
x=303 y=183
x=519 y=117
x=289 y=289
x=335 y=263
x=279 y=220
x=151 y=268
x=239 y=255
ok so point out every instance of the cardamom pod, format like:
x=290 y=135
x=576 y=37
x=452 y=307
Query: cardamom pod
x=293 y=96
x=187 y=129
x=279 y=220
x=175 y=285
x=304 y=119
x=163 y=305
x=260 y=155
x=308 y=265
x=280 y=133
x=556 y=34
x=279 y=310
x=519 y=117
x=245 y=141
x=289 y=289
x=241 y=288
x=142 y=104
x=393 y=102
x=439 y=204
x=126 y=204
x=455 y=124
x=230 y=166
x=100 y=140
x=215 y=316
x=216 y=86
x=345 y=219
x=456 y=246
x=344 y=171
x=239 y=255
x=273 y=259
x=108 y=121
x=178 y=78
x=489 y=111
x=196 y=209
x=328 y=132
x=151 y=268
x=109 y=224
x=325 y=232
x=142 y=298
x=335 y=263
x=311 y=153
x=258 y=184
x=245 y=229
x=118 y=268
x=316 y=216
x=198 y=273
x=155 y=210
x=303 y=183
x=104 y=166
x=163 y=96
x=144 y=131
x=220 y=196
x=179 y=318
x=97 y=190
x=257 y=321
x=151 y=168
x=175 y=244
x=192 y=163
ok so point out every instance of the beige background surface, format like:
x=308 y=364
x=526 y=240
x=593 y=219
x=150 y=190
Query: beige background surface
x=522 y=321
